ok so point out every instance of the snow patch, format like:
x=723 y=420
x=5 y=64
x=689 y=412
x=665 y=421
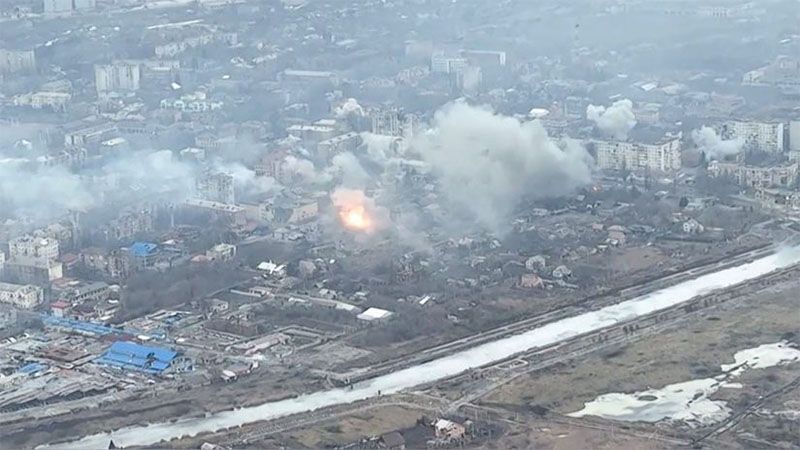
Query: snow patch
x=689 y=401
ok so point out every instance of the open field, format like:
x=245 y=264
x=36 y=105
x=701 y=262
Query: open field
x=776 y=421
x=695 y=351
x=351 y=428
x=545 y=434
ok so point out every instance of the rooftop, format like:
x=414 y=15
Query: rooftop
x=10 y=287
x=374 y=314
x=141 y=249
x=308 y=73
x=132 y=356
x=96 y=286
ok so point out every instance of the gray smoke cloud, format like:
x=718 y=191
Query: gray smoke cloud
x=300 y=168
x=149 y=173
x=712 y=144
x=472 y=79
x=616 y=121
x=37 y=191
x=29 y=189
x=381 y=148
x=487 y=163
x=41 y=192
x=347 y=169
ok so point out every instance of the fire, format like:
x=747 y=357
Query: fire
x=356 y=211
x=356 y=218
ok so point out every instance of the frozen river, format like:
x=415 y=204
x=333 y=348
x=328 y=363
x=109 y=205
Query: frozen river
x=447 y=366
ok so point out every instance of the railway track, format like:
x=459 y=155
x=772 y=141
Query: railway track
x=502 y=372
x=488 y=413
x=735 y=419
x=591 y=302
x=259 y=432
x=658 y=322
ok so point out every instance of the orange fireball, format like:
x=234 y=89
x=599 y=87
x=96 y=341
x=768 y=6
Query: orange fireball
x=356 y=218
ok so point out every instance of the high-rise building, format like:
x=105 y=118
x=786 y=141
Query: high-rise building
x=347 y=142
x=385 y=122
x=442 y=63
x=485 y=58
x=757 y=136
x=57 y=6
x=216 y=187
x=663 y=156
x=410 y=126
x=779 y=176
x=26 y=270
x=12 y=61
x=794 y=136
x=117 y=76
x=81 y=5
x=21 y=296
x=33 y=247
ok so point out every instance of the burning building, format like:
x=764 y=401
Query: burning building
x=356 y=211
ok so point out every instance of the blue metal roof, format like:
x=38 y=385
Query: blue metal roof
x=133 y=356
x=32 y=368
x=141 y=249
x=97 y=329
x=79 y=325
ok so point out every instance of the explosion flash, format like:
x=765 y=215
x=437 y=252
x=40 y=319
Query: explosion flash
x=356 y=218
x=356 y=211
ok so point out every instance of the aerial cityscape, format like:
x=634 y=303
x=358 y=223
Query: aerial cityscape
x=399 y=224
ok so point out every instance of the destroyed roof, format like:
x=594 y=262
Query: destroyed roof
x=393 y=439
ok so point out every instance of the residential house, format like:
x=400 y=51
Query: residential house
x=393 y=441
x=616 y=235
x=449 y=430
x=692 y=226
x=530 y=281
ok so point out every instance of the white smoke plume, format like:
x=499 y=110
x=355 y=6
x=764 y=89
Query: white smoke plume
x=350 y=106
x=381 y=148
x=38 y=192
x=472 y=79
x=245 y=180
x=157 y=171
x=487 y=163
x=616 y=121
x=43 y=193
x=300 y=168
x=346 y=168
x=712 y=144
